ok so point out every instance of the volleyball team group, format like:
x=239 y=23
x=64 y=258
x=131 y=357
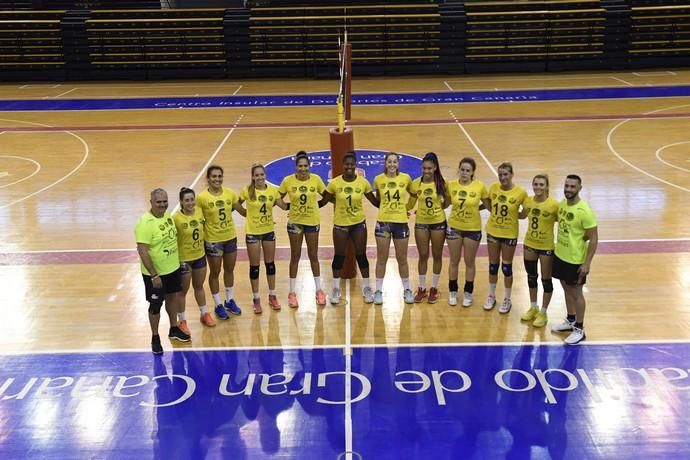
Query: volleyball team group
x=177 y=251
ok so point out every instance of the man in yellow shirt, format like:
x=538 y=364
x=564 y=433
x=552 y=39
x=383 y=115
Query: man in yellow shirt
x=575 y=247
x=156 y=237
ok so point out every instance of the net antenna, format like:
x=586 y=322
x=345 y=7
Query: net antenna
x=343 y=101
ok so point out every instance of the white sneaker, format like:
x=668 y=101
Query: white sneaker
x=453 y=298
x=378 y=298
x=335 y=296
x=505 y=306
x=466 y=299
x=565 y=326
x=409 y=297
x=368 y=295
x=575 y=337
x=490 y=302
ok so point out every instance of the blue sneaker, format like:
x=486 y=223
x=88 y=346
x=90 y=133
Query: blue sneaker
x=232 y=307
x=220 y=312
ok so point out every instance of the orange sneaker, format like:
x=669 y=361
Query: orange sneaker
x=273 y=302
x=183 y=326
x=257 y=306
x=292 y=300
x=320 y=297
x=433 y=295
x=207 y=320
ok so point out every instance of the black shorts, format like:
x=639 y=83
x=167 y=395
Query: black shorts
x=190 y=265
x=349 y=229
x=567 y=272
x=172 y=283
x=253 y=239
x=396 y=230
x=501 y=241
x=429 y=227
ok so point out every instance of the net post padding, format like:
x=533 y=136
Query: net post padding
x=341 y=143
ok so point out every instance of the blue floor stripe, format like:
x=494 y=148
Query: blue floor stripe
x=359 y=99
x=603 y=401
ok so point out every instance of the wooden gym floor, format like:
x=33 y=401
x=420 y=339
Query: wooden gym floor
x=73 y=183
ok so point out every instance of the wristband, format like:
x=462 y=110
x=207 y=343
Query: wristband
x=153 y=277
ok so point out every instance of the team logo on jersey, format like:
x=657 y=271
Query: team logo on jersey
x=536 y=212
x=161 y=227
x=185 y=226
x=473 y=194
x=312 y=189
x=194 y=223
x=303 y=189
x=502 y=198
x=428 y=192
x=401 y=184
x=512 y=201
x=169 y=221
x=569 y=216
x=262 y=198
x=220 y=203
x=391 y=185
x=358 y=190
x=546 y=214
x=348 y=190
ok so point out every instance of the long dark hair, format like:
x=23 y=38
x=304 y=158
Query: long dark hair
x=438 y=177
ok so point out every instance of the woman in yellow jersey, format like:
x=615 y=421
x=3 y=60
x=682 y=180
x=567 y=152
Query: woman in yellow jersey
x=541 y=212
x=349 y=223
x=303 y=189
x=502 y=229
x=430 y=193
x=217 y=203
x=464 y=228
x=189 y=221
x=260 y=197
x=392 y=190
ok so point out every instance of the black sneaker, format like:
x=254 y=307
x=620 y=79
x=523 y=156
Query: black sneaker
x=156 y=346
x=177 y=334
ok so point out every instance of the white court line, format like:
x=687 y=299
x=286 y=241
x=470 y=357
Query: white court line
x=210 y=160
x=623 y=81
x=658 y=155
x=586 y=343
x=518 y=79
x=323 y=246
x=448 y=85
x=237 y=90
x=66 y=92
x=69 y=174
x=474 y=144
x=348 y=375
x=620 y=157
x=38 y=168
x=654 y=74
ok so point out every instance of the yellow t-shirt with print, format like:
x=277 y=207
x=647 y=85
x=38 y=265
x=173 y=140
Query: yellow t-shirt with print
x=190 y=234
x=393 y=196
x=304 y=198
x=217 y=210
x=540 y=219
x=429 y=206
x=160 y=234
x=465 y=201
x=349 y=197
x=505 y=210
x=260 y=210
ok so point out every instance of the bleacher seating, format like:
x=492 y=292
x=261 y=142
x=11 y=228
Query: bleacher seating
x=659 y=29
x=384 y=37
x=31 y=41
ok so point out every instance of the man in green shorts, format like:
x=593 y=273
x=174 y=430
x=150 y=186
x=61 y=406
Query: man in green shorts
x=160 y=267
x=575 y=247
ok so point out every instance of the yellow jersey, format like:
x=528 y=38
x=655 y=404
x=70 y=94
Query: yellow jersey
x=304 y=198
x=190 y=234
x=260 y=210
x=160 y=234
x=393 y=196
x=573 y=223
x=348 y=199
x=540 y=219
x=465 y=200
x=505 y=207
x=429 y=206
x=217 y=210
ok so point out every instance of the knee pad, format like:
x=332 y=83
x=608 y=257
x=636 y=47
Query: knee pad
x=532 y=276
x=493 y=269
x=155 y=307
x=548 y=285
x=507 y=269
x=253 y=272
x=453 y=286
x=270 y=268
x=362 y=261
x=338 y=262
